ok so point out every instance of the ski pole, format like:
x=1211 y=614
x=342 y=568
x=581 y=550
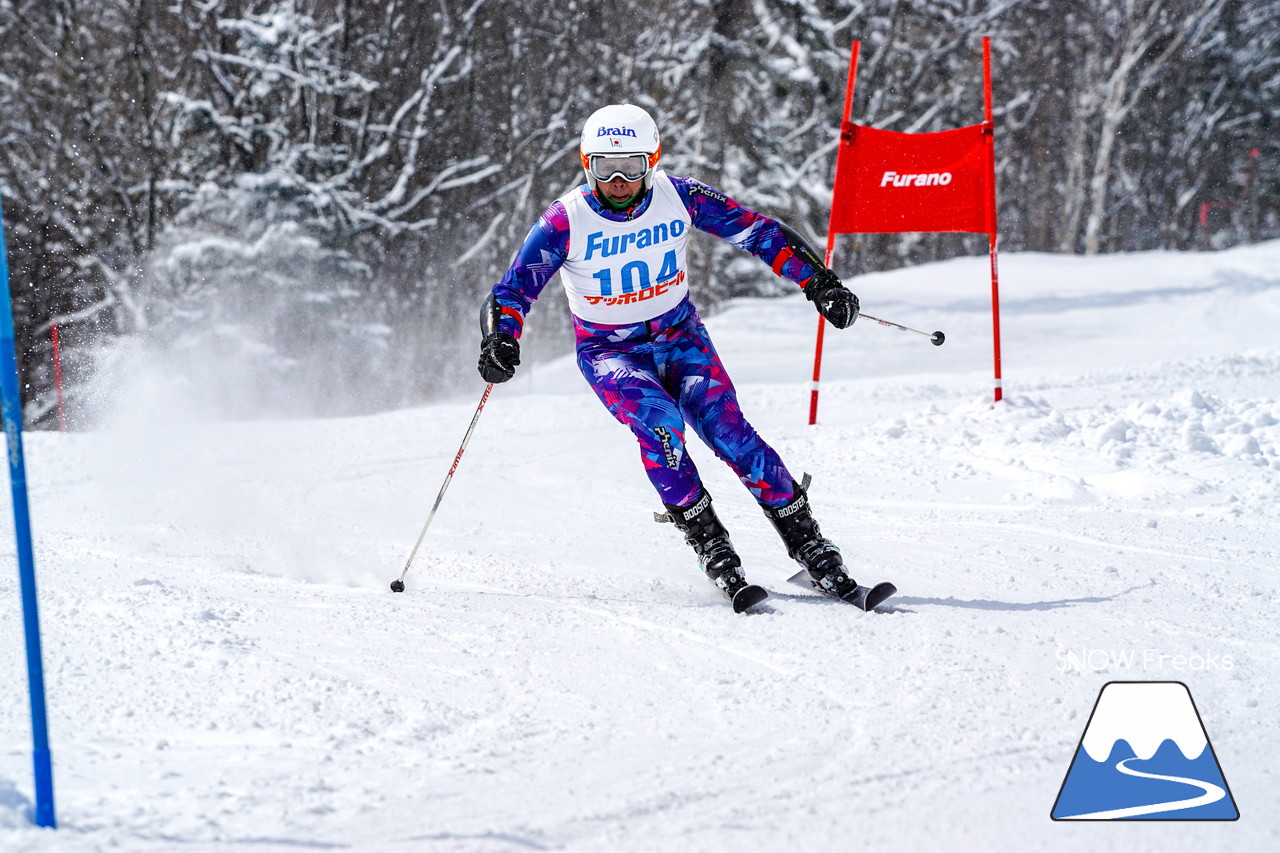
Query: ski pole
x=397 y=585
x=936 y=338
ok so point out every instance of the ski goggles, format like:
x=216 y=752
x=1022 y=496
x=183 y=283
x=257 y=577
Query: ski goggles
x=629 y=167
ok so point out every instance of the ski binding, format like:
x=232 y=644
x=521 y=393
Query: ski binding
x=863 y=597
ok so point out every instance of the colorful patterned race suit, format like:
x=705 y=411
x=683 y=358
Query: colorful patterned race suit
x=654 y=366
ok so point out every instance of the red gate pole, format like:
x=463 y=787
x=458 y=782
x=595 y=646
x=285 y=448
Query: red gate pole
x=831 y=234
x=57 y=379
x=992 y=225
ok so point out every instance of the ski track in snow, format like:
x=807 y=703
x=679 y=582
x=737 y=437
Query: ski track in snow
x=227 y=670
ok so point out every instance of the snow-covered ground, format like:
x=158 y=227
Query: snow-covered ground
x=227 y=669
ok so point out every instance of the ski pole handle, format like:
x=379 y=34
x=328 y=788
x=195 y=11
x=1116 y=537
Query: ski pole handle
x=398 y=584
x=936 y=338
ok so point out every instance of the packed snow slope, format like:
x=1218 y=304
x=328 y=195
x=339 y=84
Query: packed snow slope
x=227 y=669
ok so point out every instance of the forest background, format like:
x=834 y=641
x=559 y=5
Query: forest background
x=294 y=207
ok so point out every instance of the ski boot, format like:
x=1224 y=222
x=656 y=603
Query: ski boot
x=820 y=559
x=716 y=557
x=807 y=546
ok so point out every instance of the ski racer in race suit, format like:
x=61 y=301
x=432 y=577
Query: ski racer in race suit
x=618 y=243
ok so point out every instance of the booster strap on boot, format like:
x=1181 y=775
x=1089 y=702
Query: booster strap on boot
x=799 y=501
x=688 y=512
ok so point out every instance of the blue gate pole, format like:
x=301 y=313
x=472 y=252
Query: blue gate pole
x=12 y=409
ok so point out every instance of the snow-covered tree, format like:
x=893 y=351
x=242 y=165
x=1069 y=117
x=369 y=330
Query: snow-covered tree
x=331 y=185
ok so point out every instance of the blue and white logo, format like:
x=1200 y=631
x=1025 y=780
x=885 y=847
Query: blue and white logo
x=1144 y=755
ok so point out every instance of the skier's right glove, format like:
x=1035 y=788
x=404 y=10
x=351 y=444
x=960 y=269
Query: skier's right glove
x=833 y=300
x=499 y=355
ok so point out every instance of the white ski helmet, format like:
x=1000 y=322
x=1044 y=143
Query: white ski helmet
x=616 y=131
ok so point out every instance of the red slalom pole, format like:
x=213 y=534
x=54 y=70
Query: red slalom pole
x=57 y=379
x=831 y=236
x=992 y=226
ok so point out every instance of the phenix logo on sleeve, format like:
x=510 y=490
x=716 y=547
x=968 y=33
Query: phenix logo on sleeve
x=626 y=272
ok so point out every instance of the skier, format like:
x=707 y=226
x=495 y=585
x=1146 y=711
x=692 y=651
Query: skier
x=618 y=243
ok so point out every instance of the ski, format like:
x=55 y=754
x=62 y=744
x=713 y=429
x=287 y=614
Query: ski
x=749 y=596
x=863 y=597
x=869 y=597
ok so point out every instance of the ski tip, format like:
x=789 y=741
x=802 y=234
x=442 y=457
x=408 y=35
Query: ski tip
x=748 y=597
x=877 y=595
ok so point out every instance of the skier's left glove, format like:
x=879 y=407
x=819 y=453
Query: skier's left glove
x=833 y=300
x=499 y=356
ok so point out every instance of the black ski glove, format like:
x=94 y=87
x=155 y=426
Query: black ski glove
x=499 y=355
x=833 y=300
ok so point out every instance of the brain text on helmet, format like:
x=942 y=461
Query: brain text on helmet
x=616 y=131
